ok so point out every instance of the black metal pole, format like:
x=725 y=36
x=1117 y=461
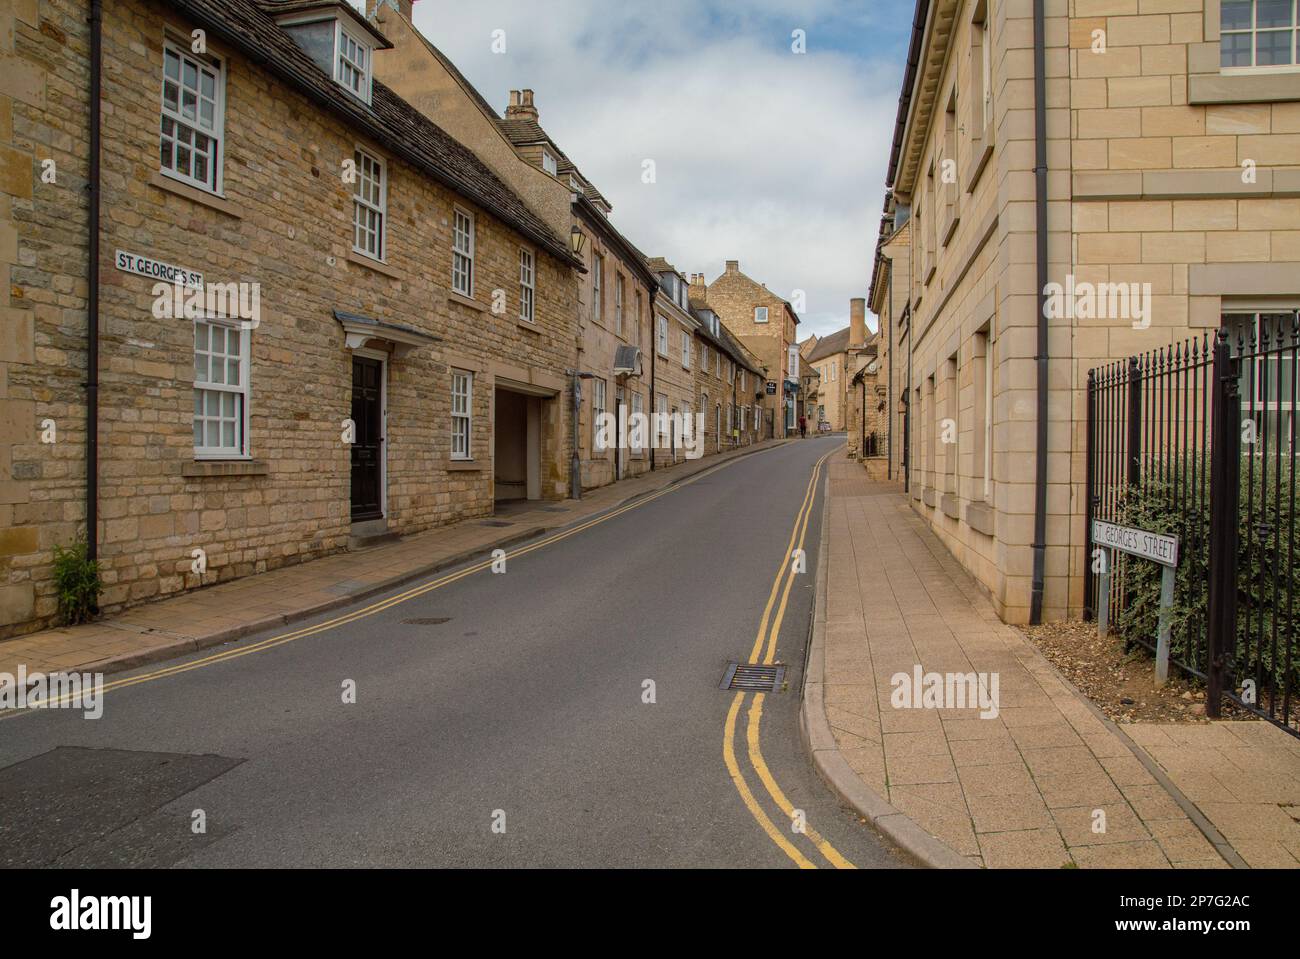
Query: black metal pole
x=1090 y=501
x=92 y=296
x=1225 y=486
x=1040 y=204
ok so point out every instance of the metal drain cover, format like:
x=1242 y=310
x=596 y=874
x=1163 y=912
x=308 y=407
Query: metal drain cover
x=753 y=678
x=427 y=621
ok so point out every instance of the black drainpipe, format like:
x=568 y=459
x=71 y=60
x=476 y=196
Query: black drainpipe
x=1040 y=204
x=654 y=352
x=889 y=392
x=92 y=298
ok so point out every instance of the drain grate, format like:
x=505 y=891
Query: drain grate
x=427 y=621
x=496 y=522
x=753 y=678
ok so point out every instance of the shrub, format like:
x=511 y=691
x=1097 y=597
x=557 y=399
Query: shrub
x=77 y=582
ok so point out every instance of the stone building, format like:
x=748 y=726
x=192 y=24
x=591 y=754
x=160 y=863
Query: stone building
x=672 y=362
x=728 y=379
x=404 y=363
x=1169 y=151
x=888 y=294
x=768 y=327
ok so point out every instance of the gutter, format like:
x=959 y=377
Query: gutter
x=92 y=296
x=909 y=81
x=1040 y=210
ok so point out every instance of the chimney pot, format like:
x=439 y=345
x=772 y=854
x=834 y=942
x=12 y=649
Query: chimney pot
x=857 y=322
x=733 y=266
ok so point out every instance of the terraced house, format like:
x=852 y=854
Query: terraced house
x=767 y=325
x=728 y=379
x=406 y=320
x=1147 y=149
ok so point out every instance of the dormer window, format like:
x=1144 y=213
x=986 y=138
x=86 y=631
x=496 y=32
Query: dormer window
x=549 y=163
x=352 y=63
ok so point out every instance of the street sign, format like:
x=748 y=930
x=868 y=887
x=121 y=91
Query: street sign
x=1156 y=547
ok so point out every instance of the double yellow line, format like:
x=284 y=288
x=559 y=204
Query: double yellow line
x=769 y=630
x=378 y=607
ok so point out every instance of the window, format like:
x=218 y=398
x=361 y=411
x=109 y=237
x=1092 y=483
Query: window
x=352 y=63
x=618 y=305
x=462 y=388
x=638 y=318
x=527 y=286
x=597 y=411
x=662 y=419
x=984 y=413
x=573 y=183
x=192 y=119
x=549 y=164
x=637 y=434
x=986 y=66
x=1265 y=384
x=793 y=363
x=663 y=336
x=220 y=391
x=686 y=349
x=1258 y=33
x=760 y=314
x=462 y=256
x=704 y=359
x=597 y=284
x=369 y=204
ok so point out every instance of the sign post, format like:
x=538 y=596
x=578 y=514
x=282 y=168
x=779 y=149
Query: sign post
x=1156 y=547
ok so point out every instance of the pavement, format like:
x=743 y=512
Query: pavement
x=1047 y=782
x=221 y=613
x=564 y=713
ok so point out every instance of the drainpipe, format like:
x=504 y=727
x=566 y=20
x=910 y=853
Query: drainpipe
x=575 y=461
x=889 y=396
x=654 y=353
x=1040 y=205
x=92 y=296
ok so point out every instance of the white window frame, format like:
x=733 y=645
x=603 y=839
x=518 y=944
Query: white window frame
x=462 y=253
x=527 y=285
x=792 y=363
x=618 y=304
x=243 y=390
x=1253 y=32
x=599 y=401
x=464 y=415
x=686 y=350
x=704 y=359
x=760 y=314
x=663 y=336
x=597 y=287
x=638 y=409
x=365 y=71
x=216 y=135
x=550 y=164
x=364 y=204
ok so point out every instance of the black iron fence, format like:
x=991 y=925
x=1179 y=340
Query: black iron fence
x=1198 y=440
x=871 y=445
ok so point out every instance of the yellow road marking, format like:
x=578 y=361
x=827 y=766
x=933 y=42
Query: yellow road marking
x=765 y=776
x=729 y=756
x=786 y=572
x=378 y=607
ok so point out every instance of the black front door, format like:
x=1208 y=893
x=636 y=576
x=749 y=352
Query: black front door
x=367 y=450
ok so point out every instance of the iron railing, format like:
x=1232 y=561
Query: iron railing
x=1198 y=440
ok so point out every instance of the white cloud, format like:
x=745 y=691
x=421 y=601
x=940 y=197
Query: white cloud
x=770 y=158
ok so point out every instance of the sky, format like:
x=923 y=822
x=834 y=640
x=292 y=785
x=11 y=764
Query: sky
x=763 y=155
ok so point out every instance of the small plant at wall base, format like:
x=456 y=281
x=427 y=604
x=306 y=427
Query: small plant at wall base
x=77 y=583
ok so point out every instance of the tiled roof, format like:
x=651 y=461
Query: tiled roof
x=525 y=131
x=246 y=26
x=830 y=344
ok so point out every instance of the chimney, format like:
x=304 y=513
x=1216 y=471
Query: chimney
x=698 y=287
x=857 y=322
x=733 y=266
x=521 y=106
x=376 y=7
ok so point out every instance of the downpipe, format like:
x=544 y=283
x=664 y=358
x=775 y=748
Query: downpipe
x=1040 y=216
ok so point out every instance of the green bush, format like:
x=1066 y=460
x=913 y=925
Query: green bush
x=1268 y=567
x=77 y=582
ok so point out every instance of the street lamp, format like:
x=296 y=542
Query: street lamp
x=577 y=240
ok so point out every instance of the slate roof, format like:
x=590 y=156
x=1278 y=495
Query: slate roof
x=525 y=131
x=248 y=27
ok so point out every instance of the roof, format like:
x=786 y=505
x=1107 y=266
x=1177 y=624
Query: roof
x=248 y=27
x=525 y=131
x=599 y=223
x=829 y=345
x=658 y=264
x=281 y=7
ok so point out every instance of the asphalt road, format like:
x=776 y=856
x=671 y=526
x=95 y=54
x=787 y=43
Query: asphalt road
x=499 y=719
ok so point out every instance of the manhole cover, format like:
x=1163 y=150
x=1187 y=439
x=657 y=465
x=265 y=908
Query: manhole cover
x=753 y=678
x=427 y=621
x=496 y=522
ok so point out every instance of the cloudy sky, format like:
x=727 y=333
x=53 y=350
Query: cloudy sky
x=762 y=155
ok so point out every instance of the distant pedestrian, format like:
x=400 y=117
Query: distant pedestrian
x=803 y=427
